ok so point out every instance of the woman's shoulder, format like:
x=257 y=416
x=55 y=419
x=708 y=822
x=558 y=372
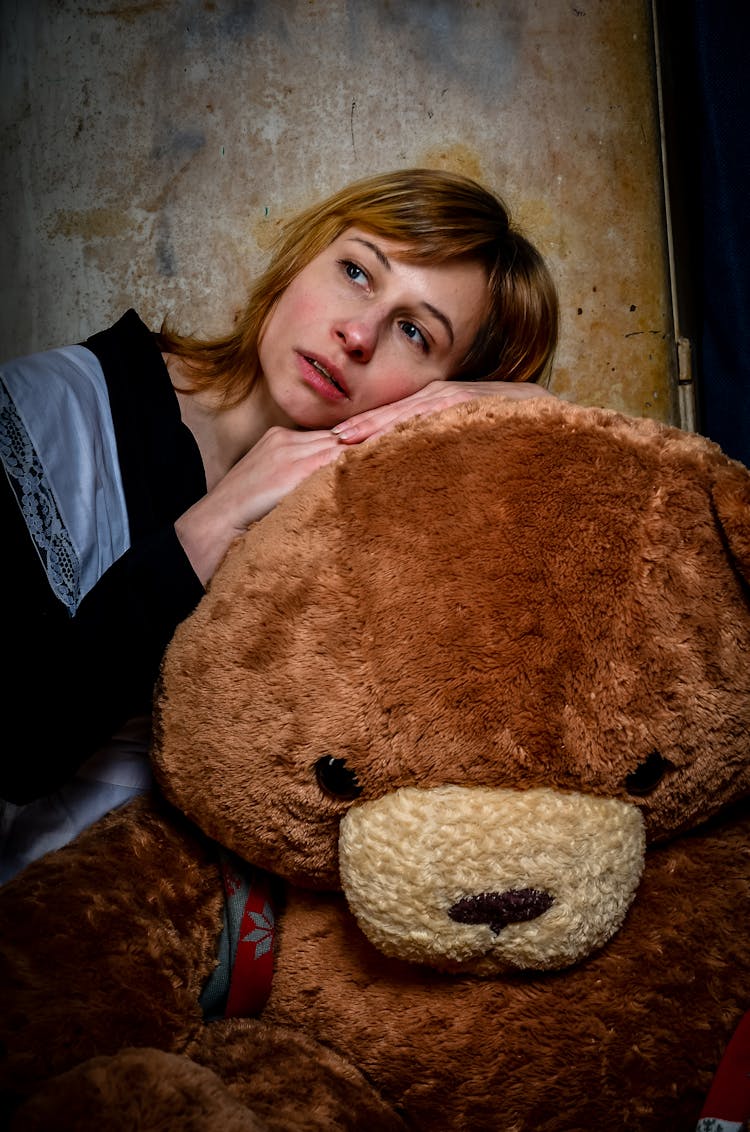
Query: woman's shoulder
x=126 y=341
x=131 y=360
x=123 y=355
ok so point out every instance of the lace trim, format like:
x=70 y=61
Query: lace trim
x=38 y=505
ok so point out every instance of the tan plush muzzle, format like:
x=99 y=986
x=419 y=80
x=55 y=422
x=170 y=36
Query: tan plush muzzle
x=488 y=880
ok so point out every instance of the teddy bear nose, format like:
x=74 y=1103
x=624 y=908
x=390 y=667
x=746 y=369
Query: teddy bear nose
x=498 y=909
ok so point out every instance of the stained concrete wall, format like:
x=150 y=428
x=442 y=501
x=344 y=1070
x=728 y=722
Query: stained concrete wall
x=151 y=150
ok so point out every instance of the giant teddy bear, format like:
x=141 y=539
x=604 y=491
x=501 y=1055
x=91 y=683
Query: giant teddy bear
x=453 y=829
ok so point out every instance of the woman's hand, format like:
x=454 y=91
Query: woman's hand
x=272 y=468
x=434 y=397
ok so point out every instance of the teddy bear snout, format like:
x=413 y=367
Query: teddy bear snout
x=481 y=880
x=498 y=909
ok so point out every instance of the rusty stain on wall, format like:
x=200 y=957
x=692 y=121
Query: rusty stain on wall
x=90 y=224
x=151 y=152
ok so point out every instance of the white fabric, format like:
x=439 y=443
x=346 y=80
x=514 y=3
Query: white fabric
x=713 y=1124
x=58 y=446
x=60 y=454
x=111 y=777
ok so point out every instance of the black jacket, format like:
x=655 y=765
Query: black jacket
x=70 y=682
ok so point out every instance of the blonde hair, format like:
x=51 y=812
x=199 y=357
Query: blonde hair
x=438 y=217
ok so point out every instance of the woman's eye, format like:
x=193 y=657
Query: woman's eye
x=355 y=272
x=414 y=335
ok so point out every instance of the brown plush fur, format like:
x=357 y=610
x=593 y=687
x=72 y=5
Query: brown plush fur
x=630 y=1039
x=271 y=1079
x=524 y=598
x=138 y=1088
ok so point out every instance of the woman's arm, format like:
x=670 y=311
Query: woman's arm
x=280 y=460
x=283 y=458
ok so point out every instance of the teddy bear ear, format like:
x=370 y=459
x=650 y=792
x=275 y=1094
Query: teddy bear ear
x=731 y=498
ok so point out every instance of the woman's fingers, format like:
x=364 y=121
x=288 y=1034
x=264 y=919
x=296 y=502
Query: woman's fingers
x=433 y=398
x=280 y=461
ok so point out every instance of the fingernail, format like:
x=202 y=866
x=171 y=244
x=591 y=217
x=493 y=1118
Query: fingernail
x=340 y=432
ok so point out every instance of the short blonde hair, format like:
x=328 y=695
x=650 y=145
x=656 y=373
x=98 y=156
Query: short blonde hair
x=438 y=217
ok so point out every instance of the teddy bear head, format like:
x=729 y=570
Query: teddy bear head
x=469 y=673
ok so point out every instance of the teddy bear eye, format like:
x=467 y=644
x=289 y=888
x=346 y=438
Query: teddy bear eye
x=336 y=778
x=647 y=775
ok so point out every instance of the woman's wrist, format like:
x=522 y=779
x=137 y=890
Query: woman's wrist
x=205 y=538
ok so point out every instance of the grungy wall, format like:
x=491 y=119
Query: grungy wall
x=151 y=150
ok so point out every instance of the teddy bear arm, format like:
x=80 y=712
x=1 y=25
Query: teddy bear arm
x=103 y=946
x=247 y=1076
x=291 y=1080
x=136 y=1089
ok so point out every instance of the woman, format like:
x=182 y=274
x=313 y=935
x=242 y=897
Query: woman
x=134 y=460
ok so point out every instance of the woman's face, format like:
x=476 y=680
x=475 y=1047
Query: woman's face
x=359 y=328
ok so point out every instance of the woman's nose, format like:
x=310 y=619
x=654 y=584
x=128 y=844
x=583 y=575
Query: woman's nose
x=358 y=338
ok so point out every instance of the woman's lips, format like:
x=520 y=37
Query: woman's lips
x=323 y=378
